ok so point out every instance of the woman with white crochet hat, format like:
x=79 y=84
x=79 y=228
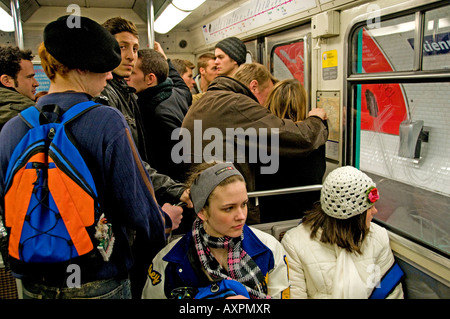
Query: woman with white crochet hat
x=336 y=252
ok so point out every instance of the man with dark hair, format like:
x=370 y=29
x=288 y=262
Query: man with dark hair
x=230 y=54
x=119 y=95
x=17 y=82
x=164 y=100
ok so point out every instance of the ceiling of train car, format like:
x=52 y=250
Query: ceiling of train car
x=28 y=7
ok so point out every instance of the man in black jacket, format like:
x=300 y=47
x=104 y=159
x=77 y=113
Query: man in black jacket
x=164 y=100
x=119 y=95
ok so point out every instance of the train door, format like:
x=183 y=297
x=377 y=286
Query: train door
x=287 y=55
x=397 y=95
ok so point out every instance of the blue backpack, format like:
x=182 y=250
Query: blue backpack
x=51 y=205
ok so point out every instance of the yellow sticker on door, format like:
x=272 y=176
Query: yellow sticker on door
x=329 y=59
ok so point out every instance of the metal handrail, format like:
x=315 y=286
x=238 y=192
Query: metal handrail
x=290 y=190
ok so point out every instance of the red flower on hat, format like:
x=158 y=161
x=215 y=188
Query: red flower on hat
x=372 y=195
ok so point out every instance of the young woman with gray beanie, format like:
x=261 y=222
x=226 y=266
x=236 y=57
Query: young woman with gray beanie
x=336 y=252
x=222 y=252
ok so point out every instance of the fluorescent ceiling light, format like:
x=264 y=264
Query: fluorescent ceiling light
x=187 y=5
x=6 y=21
x=174 y=13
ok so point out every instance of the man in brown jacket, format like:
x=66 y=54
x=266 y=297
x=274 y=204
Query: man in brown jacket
x=230 y=124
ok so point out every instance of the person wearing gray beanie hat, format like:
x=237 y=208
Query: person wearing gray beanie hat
x=230 y=54
x=207 y=182
x=221 y=250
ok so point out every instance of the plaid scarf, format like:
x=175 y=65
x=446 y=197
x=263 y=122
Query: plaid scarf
x=241 y=267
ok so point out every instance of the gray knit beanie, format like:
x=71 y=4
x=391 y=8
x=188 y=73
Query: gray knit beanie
x=235 y=48
x=208 y=180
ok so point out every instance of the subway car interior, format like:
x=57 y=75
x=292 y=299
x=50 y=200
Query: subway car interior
x=381 y=70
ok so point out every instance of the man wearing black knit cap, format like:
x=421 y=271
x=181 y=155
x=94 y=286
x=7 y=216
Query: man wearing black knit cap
x=230 y=54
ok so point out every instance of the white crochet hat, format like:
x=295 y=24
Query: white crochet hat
x=347 y=192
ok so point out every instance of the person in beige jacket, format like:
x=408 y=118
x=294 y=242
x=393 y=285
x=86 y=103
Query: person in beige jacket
x=336 y=251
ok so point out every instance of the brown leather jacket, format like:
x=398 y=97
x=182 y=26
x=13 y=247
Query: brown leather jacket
x=229 y=104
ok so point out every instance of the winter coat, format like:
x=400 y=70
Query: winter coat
x=228 y=106
x=173 y=266
x=163 y=108
x=118 y=94
x=11 y=104
x=313 y=264
x=125 y=193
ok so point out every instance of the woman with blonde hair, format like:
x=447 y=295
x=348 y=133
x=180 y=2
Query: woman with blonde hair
x=288 y=100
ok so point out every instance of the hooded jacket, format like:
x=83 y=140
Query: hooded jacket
x=11 y=104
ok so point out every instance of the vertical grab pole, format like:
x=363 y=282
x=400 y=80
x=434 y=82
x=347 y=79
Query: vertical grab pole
x=18 y=32
x=150 y=22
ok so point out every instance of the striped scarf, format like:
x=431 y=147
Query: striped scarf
x=241 y=267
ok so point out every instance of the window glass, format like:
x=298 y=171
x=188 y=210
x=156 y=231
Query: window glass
x=436 y=41
x=288 y=61
x=413 y=176
x=386 y=46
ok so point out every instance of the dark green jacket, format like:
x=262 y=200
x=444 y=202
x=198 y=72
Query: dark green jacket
x=11 y=104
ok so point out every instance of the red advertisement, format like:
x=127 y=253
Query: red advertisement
x=292 y=56
x=383 y=106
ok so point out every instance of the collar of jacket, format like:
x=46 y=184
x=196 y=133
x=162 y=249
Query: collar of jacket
x=120 y=83
x=14 y=99
x=154 y=95
x=225 y=83
x=251 y=244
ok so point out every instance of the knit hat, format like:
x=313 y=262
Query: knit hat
x=208 y=180
x=235 y=48
x=82 y=44
x=347 y=192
